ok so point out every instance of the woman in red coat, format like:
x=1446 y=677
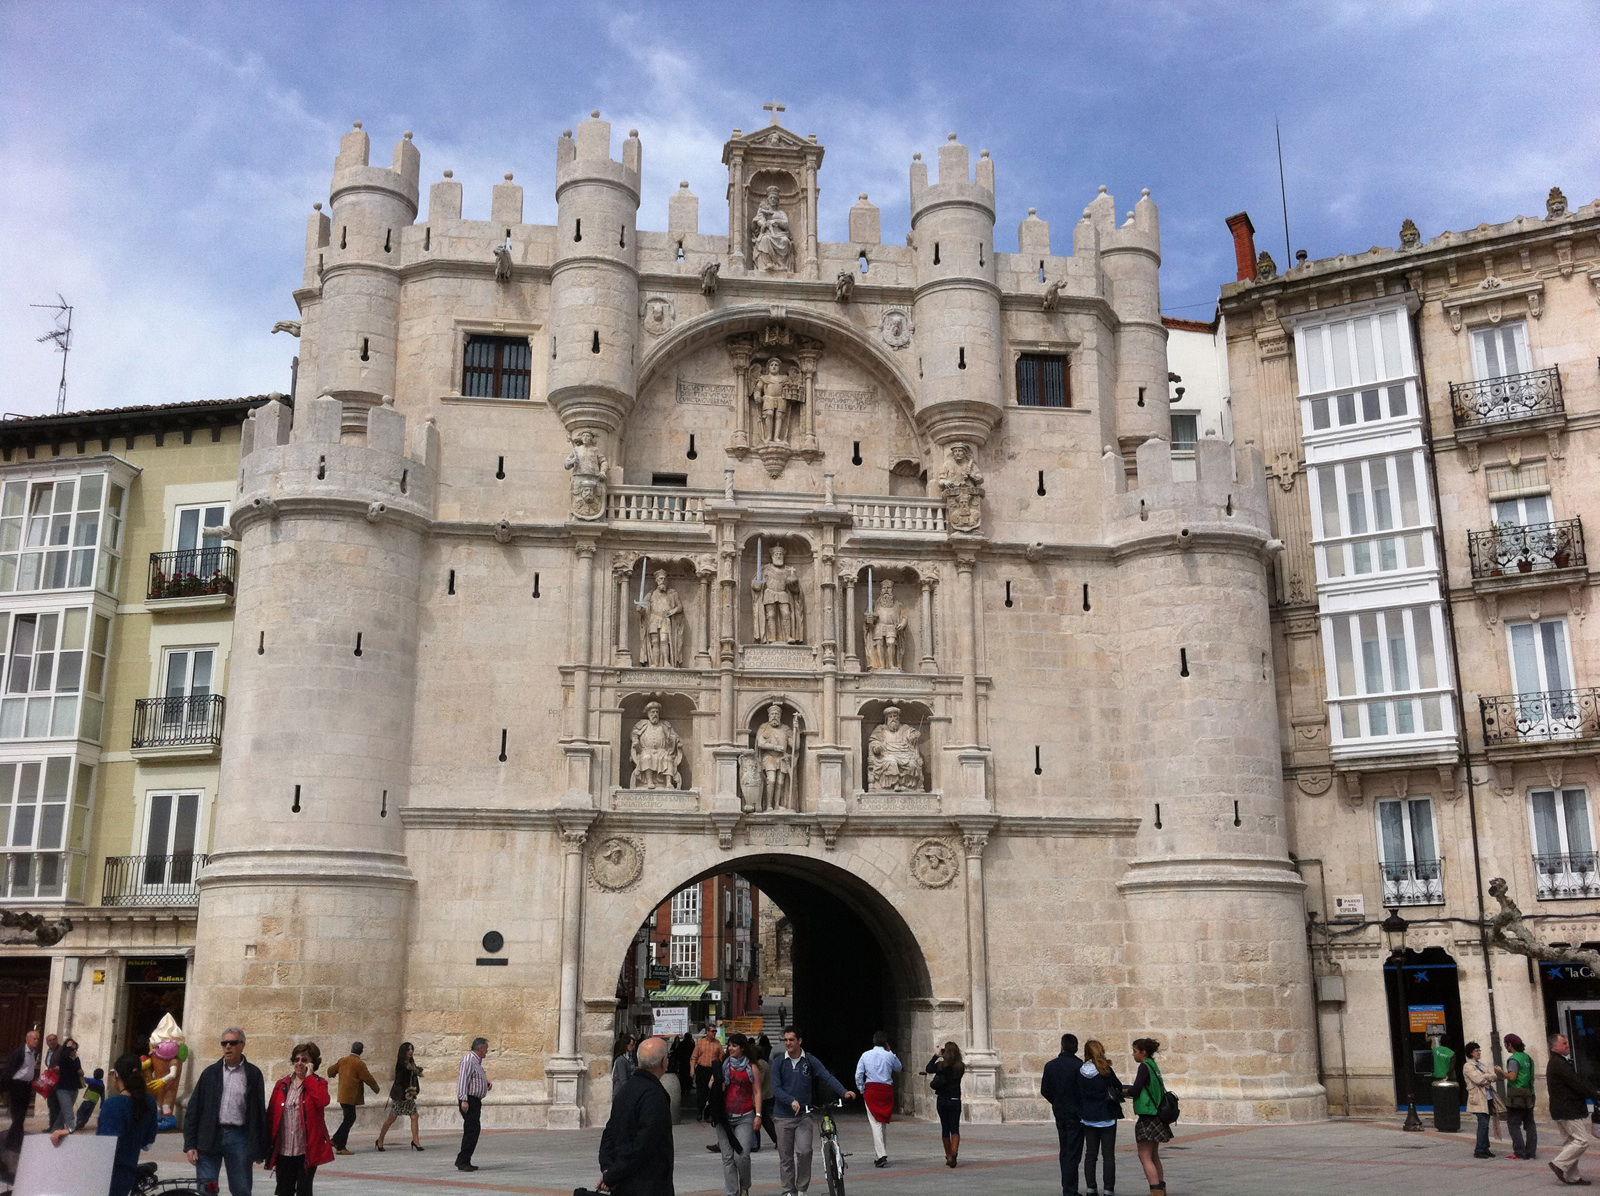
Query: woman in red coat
x=300 y=1141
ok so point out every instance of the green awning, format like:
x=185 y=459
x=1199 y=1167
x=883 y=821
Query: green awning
x=680 y=991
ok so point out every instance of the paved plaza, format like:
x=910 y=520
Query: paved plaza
x=1335 y=1157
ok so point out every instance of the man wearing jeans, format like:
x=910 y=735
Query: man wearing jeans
x=792 y=1078
x=226 y=1122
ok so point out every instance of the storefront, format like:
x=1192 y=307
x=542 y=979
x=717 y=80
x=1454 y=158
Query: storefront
x=1572 y=1007
x=153 y=985
x=1432 y=1009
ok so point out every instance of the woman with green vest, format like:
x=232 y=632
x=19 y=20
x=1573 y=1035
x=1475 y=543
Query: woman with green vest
x=1518 y=1075
x=1149 y=1131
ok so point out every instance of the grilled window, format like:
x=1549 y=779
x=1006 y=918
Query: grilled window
x=497 y=367
x=1042 y=380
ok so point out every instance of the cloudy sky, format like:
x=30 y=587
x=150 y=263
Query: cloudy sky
x=158 y=160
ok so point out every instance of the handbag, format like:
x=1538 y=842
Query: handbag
x=45 y=1082
x=1519 y=1098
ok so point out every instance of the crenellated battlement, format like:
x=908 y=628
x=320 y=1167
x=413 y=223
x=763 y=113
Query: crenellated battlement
x=353 y=174
x=1227 y=497
x=329 y=449
x=1139 y=232
x=587 y=158
x=958 y=183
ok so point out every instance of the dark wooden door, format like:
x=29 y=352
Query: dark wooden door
x=24 y=995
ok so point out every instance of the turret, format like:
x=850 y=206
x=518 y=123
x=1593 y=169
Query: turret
x=1130 y=257
x=351 y=329
x=957 y=299
x=594 y=282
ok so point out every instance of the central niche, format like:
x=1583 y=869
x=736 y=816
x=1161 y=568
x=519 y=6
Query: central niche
x=775 y=396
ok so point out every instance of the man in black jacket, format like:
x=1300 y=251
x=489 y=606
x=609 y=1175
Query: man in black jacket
x=226 y=1122
x=636 y=1148
x=1569 y=1096
x=22 y=1068
x=1060 y=1087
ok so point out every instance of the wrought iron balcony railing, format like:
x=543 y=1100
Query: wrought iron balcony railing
x=152 y=879
x=1509 y=548
x=192 y=573
x=1503 y=400
x=1416 y=882
x=1540 y=717
x=1569 y=875
x=193 y=720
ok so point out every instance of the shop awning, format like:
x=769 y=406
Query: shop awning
x=680 y=992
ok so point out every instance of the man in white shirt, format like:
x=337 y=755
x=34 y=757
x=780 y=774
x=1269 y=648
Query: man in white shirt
x=875 y=1080
x=472 y=1085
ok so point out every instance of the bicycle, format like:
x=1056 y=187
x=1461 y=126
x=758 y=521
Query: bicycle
x=833 y=1155
x=146 y=1183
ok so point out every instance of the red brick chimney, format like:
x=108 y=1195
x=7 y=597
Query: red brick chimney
x=1244 y=245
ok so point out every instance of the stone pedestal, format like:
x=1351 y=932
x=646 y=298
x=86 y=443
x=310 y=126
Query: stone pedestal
x=564 y=1081
x=980 y=1088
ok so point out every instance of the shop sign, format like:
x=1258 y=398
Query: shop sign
x=669 y=1020
x=1427 y=1019
x=157 y=970
x=661 y=971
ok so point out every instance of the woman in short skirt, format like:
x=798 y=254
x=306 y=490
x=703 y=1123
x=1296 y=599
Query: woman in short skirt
x=1149 y=1131
x=403 y=1095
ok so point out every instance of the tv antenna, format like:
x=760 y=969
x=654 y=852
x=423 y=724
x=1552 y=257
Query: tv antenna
x=61 y=337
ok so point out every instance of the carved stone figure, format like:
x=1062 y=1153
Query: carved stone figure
x=844 y=285
x=776 y=745
x=933 y=863
x=617 y=862
x=1266 y=268
x=588 y=467
x=886 y=624
x=773 y=393
x=502 y=263
x=656 y=314
x=292 y=327
x=1052 y=295
x=769 y=236
x=708 y=277
x=661 y=625
x=961 y=485
x=894 y=763
x=1555 y=203
x=895 y=328
x=780 y=604
x=657 y=752
x=1410 y=236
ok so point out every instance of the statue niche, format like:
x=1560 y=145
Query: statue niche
x=777 y=738
x=654 y=753
x=775 y=375
x=661 y=624
x=771 y=238
x=892 y=747
x=777 y=598
x=890 y=624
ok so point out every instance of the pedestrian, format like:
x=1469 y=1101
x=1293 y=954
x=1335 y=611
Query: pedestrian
x=22 y=1065
x=947 y=1067
x=622 y=1062
x=94 y=1091
x=707 y=1054
x=1518 y=1075
x=875 y=1072
x=129 y=1117
x=762 y=1050
x=1099 y=1110
x=793 y=1077
x=403 y=1094
x=298 y=1126
x=52 y=1048
x=1059 y=1086
x=1479 y=1081
x=354 y=1079
x=225 y=1125
x=1569 y=1095
x=472 y=1085
x=636 y=1146
x=1149 y=1131
x=69 y=1082
x=735 y=1113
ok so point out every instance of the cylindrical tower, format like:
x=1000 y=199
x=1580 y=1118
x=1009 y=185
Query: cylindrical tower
x=957 y=298
x=1130 y=257
x=594 y=281
x=305 y=905
x=351 y=328
x=1215 y=908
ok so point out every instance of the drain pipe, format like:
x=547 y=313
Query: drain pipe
x=1463 y=756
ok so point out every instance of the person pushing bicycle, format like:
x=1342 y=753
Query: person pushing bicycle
x=793 y=1077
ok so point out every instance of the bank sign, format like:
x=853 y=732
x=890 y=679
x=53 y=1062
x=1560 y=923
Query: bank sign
x=1567 y=971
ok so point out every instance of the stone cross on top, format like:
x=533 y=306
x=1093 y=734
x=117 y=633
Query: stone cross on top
x=777 y=110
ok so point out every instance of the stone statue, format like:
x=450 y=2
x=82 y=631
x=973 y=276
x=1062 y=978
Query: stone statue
x=776 y=745
x=292 y=327
x=502 y=263
x=780 y=606
x=708 y=277
x=894 y=763
x=1555 y=203
x=844 y=285
x=661 y=626
x=962 y=487
x=1266 y=268
x=657 y=752
x=1052 y=295
x=1410 y=235
x=773 y=391
x=886 y=623
x=588 y=467
x=769 y=236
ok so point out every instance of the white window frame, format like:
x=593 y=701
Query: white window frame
x=686 y=912
x=1343 y=547
x=1386 y=704
x=1548 y=712
x=1512 y=334
x=1412 y=880
x=1562 y=871
x=1379 y=388
x=70 y=703
x=197 y=844
x=1513 y=511
x=34 y=867
x=88 y=540
x=685 y=956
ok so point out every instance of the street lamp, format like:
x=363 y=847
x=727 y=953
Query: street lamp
x=1394 y=929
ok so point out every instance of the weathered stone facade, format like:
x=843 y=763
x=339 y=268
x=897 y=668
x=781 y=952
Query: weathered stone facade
x=448 y=595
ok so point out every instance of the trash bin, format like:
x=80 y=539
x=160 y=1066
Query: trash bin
x=1446 y=1106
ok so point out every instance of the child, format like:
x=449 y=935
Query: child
x=94 y=1092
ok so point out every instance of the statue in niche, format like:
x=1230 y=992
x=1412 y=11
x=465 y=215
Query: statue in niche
x=962 y=487
x=776 y=746
x=894 y=763
x=780 y=604
x=657 y=752
x=773 y=392
x=661 y=626
x=886 y=623
x=769 y=236
x=587 y=464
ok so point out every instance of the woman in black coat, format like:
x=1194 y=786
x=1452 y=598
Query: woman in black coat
x=947 y=1068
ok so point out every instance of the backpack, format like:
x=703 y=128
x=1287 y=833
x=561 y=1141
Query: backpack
x=1167 y=1108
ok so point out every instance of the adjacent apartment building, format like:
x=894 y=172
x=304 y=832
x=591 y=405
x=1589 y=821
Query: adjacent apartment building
x=116 y=591
x=1428 y=415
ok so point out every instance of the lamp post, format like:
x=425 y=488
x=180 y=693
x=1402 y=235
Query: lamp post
x=1394 y=932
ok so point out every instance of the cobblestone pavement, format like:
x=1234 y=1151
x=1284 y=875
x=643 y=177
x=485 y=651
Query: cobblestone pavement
x=1335 y=1158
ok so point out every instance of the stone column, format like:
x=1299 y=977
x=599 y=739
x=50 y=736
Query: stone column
x=980 y=1091
x=965 y=567
x=583 y=611
x=808 y=374
x=621 y=575
x=565 y=1068
x=852 y=662
x=739 y=355
x=727 y=650
x=736 y=212
x=811 y=218
x=929 y=665
x=705 y=570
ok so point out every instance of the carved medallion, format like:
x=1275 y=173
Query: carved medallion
x=933 y=863
x=617 y=863
x=895 y=328
x=1314 y=784
x=657 y=314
